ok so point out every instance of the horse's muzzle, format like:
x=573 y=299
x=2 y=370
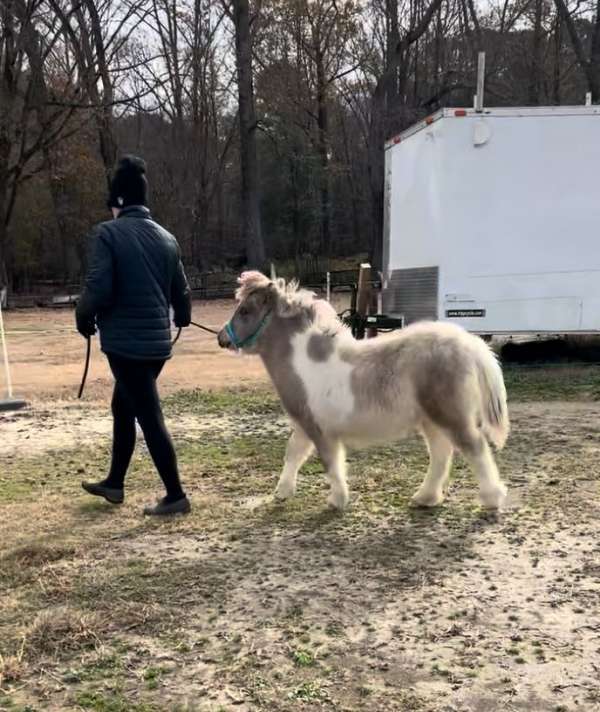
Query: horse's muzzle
x=223 y=339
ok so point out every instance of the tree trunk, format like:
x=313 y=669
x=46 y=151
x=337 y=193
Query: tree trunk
x=251 y=227
x=90 y=56
x=536 y=58
x=595 y=55
x=8 y=95
x=323 y=151
x=298 y=234
x=376 y=143
x=28 y=44
x=556 y=68
x=590 y=66
x=392 y=40
x=4 y=281
x=4 y=153
x=108 y=144
x=378 y=126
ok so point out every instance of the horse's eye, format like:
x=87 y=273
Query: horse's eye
x=244 y=311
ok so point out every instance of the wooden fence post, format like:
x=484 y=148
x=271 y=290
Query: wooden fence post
x=363 y=293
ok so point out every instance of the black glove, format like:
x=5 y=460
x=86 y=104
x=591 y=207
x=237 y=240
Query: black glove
x=86 y=326
x=181 y=323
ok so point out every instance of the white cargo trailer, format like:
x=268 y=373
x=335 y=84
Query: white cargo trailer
x=492 y=220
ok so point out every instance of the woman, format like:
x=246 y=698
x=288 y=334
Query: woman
x=134 y=277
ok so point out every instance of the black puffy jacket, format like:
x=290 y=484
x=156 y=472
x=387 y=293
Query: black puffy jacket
x=135 y=274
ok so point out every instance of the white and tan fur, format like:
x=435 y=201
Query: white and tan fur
x=433 y=378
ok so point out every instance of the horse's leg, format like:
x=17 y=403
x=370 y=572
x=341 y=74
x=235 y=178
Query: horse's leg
x=431 y=491
x=333 y=456
x=492 y=491
x=298 y=450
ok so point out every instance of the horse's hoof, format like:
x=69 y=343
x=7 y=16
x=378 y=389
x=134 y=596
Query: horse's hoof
x=282 y=492
x=427 y=499
x=493 y=498
x=338 y=501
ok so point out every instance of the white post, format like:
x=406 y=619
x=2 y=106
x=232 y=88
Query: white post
x=5 y=355
x=480 y=81
x=588 y=98
x=328 y=291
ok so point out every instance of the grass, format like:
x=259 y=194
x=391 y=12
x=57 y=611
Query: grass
x=60 y=631
x=23 y=562
x=307 y=691
x=13 y=667
x=303 y=658
x=531 y=382
x=436 y=669
x=111 y=702
x=256 y=599
x=152 y=677
x=80 y=613
x=571 y=382
x=238 y=401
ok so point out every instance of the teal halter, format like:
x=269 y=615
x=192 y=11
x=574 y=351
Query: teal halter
x=249 y=340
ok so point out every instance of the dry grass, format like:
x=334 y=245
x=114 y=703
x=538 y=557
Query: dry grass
x=260 y=606
x=27 y=560
x=36 y=554
x=12 y=667
x=62 y=631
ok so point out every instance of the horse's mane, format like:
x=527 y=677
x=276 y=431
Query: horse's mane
x=250 y=282
x=292 y=299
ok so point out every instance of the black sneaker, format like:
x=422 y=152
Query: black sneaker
x=163 y=508
x=110 y=494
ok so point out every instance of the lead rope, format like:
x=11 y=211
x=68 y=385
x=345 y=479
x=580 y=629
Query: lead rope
x=204 y=328
x=87 y=365
x=89 y=351
x=176 y=339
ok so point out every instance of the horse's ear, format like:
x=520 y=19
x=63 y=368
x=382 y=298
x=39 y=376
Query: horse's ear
x=275 y=297
x=271 y=295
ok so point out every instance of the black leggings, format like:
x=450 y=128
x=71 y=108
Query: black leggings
x=136 y=397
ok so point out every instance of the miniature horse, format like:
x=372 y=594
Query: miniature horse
x=434 y=378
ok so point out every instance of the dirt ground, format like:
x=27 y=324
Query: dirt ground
x=47 y=355
x=249 y=604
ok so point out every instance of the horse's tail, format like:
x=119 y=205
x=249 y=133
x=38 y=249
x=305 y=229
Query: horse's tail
x=496 y=424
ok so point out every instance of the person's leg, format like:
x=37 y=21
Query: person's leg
x=123 y=437
x=138 y=380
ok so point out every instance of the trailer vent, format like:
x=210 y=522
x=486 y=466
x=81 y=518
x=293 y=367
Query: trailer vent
x=412 y=293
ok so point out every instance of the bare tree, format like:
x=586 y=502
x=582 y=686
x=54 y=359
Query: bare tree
x=327 y=47
x=392 y=78
x=535 y=84
x=239 y=11
x=28 y=123
x=190 y=87
x=97 y=33
x=589 y=62
x=314 y=87
x=301 y=70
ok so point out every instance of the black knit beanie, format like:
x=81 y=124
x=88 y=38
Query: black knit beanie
x=129 y=185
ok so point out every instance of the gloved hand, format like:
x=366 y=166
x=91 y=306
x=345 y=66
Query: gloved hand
x=181 y=320
x=86 y=326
